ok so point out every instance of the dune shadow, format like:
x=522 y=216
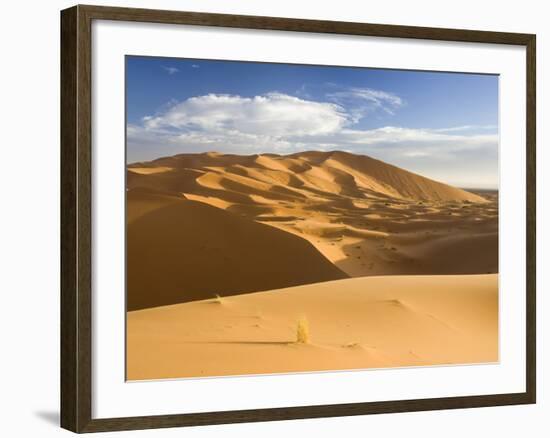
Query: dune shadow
x=244 y=342
x=188 y=251
x=276 y=218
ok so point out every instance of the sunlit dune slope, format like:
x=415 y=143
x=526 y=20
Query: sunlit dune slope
x=370 y=322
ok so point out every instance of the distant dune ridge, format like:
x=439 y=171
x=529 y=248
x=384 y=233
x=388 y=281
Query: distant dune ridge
x=336 y=173
x=225 y=254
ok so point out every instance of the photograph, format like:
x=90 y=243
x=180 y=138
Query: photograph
x=288 y=218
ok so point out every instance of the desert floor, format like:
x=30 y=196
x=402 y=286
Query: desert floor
x=388 y=267
x=369 y=322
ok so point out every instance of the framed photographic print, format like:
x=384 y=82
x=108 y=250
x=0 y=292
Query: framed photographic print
x=268 y=218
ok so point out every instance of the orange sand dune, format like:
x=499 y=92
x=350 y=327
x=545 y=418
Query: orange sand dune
x=277 y=237
x=365 y=322
x=180 y=250
x=365 y=216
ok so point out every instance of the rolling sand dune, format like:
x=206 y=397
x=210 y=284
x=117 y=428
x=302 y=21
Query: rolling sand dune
x=277 y=238
x=365 y=216
x=180 y=250
x=353 y=323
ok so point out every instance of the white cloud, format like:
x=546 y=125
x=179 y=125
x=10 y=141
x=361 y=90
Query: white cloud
x=195 y=66
x=467 y=128
x=364 y=100
x=171 y=70
x=273 y=114
x=391 y=136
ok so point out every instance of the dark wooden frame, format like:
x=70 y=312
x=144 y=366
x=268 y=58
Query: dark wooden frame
x=76 y=160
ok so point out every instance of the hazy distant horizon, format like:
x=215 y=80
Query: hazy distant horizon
x=440 y=125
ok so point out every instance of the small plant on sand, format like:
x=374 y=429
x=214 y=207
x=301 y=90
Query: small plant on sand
x=302 y=331
x=218 y=299
x=351 y=345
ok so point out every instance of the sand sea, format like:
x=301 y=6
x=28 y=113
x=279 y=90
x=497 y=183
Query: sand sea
x=304 y=262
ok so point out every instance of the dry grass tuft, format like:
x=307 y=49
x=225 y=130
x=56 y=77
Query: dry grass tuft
x=218 y=299
x=351 y=345
x=302 y=331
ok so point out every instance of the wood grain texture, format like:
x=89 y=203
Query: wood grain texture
x=531 y=213
x=69 y=327
x=76 y=296
x=299 y=25
x=76 y=223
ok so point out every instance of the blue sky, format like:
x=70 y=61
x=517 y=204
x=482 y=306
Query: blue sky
x=441 y=125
